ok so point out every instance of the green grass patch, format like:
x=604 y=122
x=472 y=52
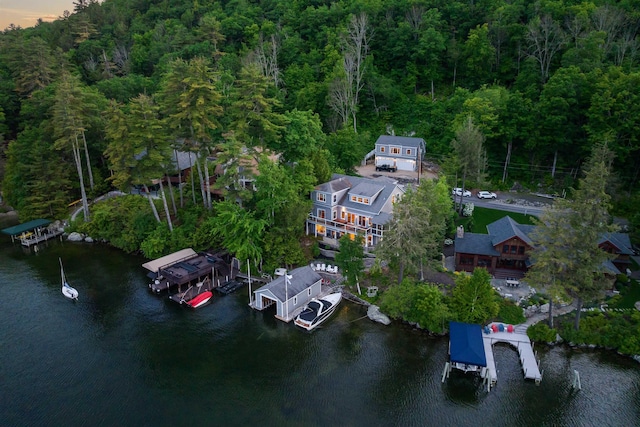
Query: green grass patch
x=485 y=216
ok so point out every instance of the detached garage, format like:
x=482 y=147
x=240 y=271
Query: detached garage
x=403 y=152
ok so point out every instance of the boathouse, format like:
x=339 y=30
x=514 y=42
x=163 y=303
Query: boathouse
x=289 y=292
x=181 y=268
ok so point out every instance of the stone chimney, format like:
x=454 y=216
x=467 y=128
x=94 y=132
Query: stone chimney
x=460 y=232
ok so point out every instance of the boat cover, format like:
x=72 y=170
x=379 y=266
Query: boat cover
x=27 y=226
x=466 y=344
x=166 y=260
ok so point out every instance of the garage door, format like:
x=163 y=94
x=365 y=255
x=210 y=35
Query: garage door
x=405 y=165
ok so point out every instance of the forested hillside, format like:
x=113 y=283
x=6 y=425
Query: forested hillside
x=317 y=81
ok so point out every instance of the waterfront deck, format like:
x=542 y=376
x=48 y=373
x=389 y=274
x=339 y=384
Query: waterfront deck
x=521 y=342
x=185 y=266
x=33 y=239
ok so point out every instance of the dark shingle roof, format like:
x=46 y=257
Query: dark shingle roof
x=506 y=228
x=302 y=278
x=475 y=243
x=619 y=240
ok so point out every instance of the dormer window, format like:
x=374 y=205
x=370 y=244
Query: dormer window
x=408 y=151
x=321 y=197
x=382 y=149
x=395 y=150
x=335 y=198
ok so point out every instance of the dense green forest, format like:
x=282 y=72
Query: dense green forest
x=317 y=81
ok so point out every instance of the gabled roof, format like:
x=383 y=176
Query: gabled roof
x=466 y=344
x=388 y=187
x=506 y=228
x=337 y=184
x=476 y=243
x=620 y=241
x=404 y=141
x=301 y=278
x=366 y=189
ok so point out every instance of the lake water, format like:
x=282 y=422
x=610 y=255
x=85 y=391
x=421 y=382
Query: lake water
x=123 y=356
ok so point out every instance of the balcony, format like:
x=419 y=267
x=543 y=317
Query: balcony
x=346 y=227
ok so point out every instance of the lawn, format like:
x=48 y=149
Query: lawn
x=484 y=216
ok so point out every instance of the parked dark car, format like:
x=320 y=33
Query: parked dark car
x=386 y=168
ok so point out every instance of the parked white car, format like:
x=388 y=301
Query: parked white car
x=457 y=191
x=486 y=195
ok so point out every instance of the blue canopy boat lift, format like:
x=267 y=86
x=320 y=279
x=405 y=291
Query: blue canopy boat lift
x=471 y=350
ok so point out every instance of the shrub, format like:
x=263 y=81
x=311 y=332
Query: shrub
x=509 y=312
x=541 y=332
x=622 y=278
x=468 y=209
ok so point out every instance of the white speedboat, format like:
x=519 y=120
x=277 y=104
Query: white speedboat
x=67 y=290
x=317 y=311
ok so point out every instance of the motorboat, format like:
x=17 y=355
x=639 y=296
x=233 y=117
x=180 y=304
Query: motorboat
x=317 y=311
x=200 y=299
x=67 y=290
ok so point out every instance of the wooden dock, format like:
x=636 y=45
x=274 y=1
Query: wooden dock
x=32 y=239
x=521 y=342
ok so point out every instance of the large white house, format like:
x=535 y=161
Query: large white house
x=353 y=205
x=401 y=152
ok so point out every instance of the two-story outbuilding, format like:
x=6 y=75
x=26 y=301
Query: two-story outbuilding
x=400 y=152
x=353 y=205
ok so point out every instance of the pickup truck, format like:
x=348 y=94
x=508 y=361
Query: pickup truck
x=386 y=168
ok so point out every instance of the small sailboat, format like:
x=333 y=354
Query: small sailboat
x=67 y=290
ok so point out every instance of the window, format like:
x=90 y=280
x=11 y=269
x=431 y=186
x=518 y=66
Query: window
x=335 y=198
x=321 y=213
x=505 y=249
x=382 y=149
x=334 y=214
x=521 y=250
x=466 y=260
x=359 y=199
x=514 y=249
x=408 y=152
x=295 y=300
x=353 y=198
x=342 y=215
x=366 y=201
x=309 y=292
x=321 y=197
x=395 y=150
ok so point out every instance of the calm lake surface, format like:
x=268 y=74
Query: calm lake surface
x=123 y=356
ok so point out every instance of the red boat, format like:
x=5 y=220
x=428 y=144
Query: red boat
x=200 y=299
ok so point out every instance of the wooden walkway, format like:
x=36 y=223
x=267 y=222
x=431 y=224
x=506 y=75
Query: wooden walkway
x=521 y=342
